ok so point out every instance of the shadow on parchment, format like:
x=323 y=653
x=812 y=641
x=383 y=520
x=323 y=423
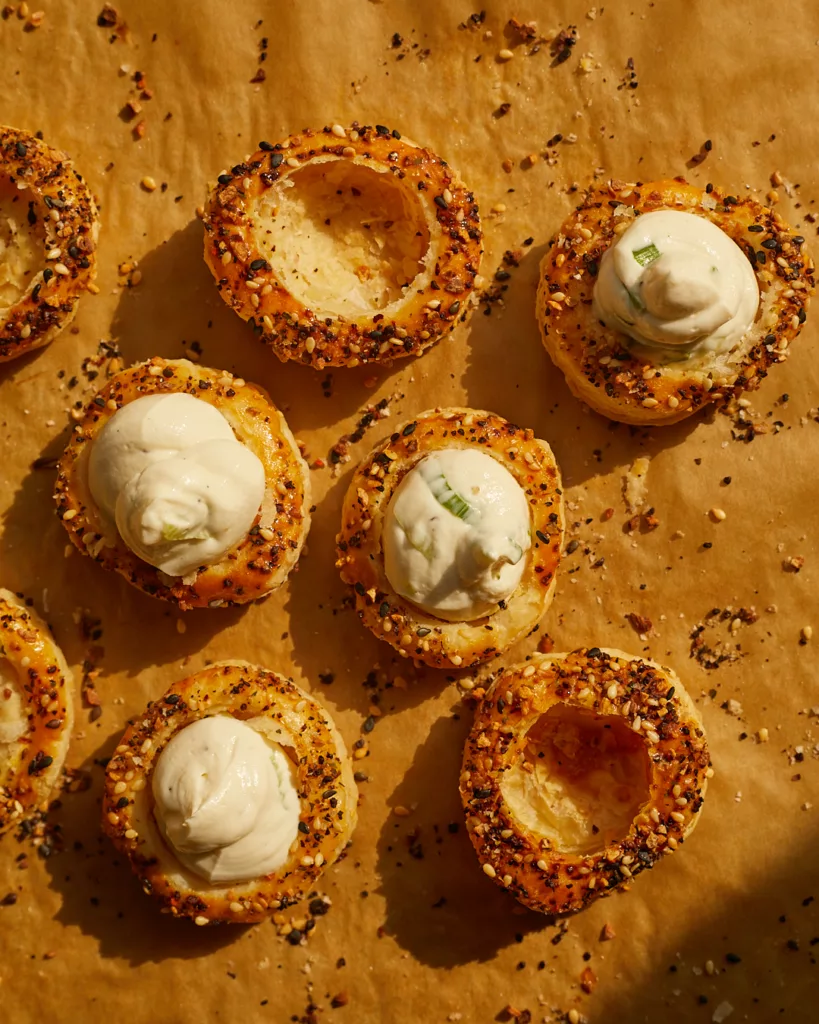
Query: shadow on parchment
x=510 y=372
x=103 y=899
x=440 y=907
x=753 y=941
x=177 y=305
x=329 y=640
x=137 y=631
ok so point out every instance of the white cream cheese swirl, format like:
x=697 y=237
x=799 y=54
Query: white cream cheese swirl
x=180 y=487
x=226 y=800
x=456 y=533
x=675 y=281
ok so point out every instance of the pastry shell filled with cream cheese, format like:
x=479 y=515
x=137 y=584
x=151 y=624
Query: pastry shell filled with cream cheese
x=413 y=632
x=259 y=563
x=62 y=224
x=36 y=711
x=615 y=781
x=344 y=245
x=630 y=382
x=285 y=715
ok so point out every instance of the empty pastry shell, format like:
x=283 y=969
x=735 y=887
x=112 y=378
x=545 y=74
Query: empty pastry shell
x=36 y=711
x=324 y=775
x=628 y=382
x=60 y=229
x=581 y=770
x=344 y=246
x=413 y=632
x=259 y=563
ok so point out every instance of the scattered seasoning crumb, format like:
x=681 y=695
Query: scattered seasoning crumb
x=639 y=623
x=607 y=933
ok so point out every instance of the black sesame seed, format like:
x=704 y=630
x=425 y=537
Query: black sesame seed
x=21 y=149
x=802 y=316
x=35 y=292
x=319 y=907
x=384 y=609
x=258 y=265
x=409 y=429
x=755 y=227
x=440 y=201
x=770 y=243
x=542 y=537
x=266 y=146
x=276 y=159
x=732 y=958
x=304 y=828
x=453 y=309
x=48 y=273
x=481 y=794
x=382 y=130
x=422 y=631
x=369 y=724
x=294 y=937
x=225 y=179
x=172 y=698
x=708 y=145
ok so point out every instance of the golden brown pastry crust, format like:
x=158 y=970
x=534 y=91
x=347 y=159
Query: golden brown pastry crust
x=651 y=700
x=31 y=766
x=324 y=774
x=427 y=313
x=412 y=631
x=626 y=381
x=69 y=243
x=259 y=563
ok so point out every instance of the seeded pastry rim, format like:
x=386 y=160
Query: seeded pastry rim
x=411 y=631
x=626 y=382
x=60 y=200
x=261 y=561
x=327 y=792
x=32 y=765
x=610 y=683
x=249 y=284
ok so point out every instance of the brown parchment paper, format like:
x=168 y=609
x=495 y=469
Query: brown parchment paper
x=415 y=932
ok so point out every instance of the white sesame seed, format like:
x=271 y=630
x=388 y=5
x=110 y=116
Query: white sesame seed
x=338 y=130
x=650 y=403
x=542 y=864
x=62 y=269
x=200 y=920
x=148 y=184
x=131 y=833
x=717 y=514
x=53 y=254
x=489 y=870
x=291 y=161
x=505 y=55
x=611 y=692
x=676 y=816
x=236 y=908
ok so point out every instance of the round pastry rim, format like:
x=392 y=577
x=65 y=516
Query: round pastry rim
x=547 y=879
x=48 y=696
x=210 y=383
x=314 y=337
x=320 y=796
x=443 y=643
x=657 y=386
x=49 y=302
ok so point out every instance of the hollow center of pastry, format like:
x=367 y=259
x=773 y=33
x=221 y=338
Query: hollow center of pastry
x=226 y=799
x=21 y=242
x=12 y=710
x=344 y=239
x=581 y=780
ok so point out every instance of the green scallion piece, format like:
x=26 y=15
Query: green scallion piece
x=646 y=255
x=452 y=501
